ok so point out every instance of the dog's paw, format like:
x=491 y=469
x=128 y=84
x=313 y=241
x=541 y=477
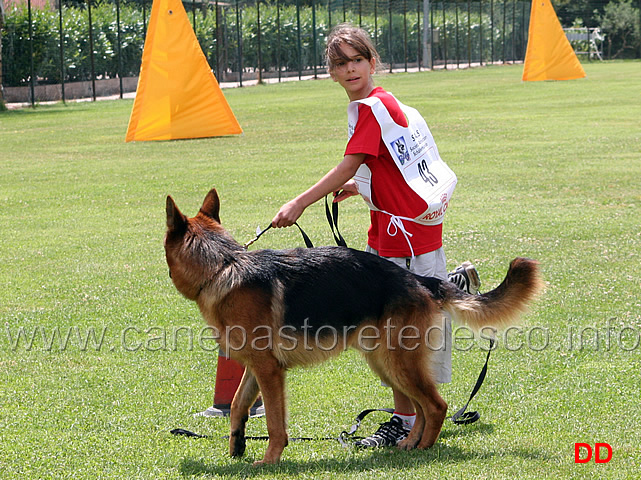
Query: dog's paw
x=266 y=461
x=237 y=445
x=406 y=444
x=425 y=445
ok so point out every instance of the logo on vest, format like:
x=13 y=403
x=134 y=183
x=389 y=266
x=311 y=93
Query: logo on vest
x=439 y=212
x=400 y=148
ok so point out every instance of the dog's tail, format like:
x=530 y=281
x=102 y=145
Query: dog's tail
x=499 y=307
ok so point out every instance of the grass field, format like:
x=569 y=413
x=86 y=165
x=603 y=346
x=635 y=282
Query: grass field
x=100 y=356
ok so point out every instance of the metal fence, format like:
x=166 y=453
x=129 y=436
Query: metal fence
x=94 y=40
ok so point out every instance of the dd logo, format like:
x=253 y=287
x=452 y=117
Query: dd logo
x=598 y=458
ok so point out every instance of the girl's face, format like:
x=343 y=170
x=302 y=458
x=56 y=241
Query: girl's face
x=355 y=74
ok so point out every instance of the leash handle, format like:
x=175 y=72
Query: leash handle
x=259 y=232
x=332 y=218
x=308 y=242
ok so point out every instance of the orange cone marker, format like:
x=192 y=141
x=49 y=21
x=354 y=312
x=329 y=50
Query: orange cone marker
x=228 y=376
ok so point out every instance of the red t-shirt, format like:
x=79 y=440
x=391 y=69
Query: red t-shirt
x=390 y=192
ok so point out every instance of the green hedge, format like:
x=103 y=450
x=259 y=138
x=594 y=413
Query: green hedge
x=16 y=49
x=279 y=45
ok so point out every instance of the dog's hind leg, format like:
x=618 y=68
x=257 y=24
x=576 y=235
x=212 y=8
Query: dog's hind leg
x=271 y=379
x=430 y=415
x=243 y=399
x=414 y=437
x=435 y=411
x=413 y=379
x=401 y=374
x=431 y=410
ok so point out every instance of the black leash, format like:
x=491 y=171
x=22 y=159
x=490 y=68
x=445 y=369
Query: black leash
x=348 y=435
x=187 y=433
x=344 y=438
x=465 y=418
x=259 y=232
x=332 y=218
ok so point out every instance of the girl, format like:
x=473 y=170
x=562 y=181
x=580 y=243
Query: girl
x=402 y=228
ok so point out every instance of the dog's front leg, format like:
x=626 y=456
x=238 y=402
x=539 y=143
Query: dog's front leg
x=243 y=399
x=271 y=378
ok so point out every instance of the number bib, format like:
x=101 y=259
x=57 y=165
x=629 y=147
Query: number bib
x=415 y=154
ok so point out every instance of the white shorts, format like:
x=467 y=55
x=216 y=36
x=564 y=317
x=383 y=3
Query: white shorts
x=432 y=264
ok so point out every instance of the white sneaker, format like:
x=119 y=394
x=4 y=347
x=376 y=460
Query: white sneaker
x=258 y=410
x=466 y=278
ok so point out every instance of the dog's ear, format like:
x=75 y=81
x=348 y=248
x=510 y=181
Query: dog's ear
x=175 y=220
x=211 y=205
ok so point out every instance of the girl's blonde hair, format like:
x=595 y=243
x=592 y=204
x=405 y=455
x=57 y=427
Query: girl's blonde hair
x=355 y=37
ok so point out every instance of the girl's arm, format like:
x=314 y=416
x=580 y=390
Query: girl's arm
x=331 y=182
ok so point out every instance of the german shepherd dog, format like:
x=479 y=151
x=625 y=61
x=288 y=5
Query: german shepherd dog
x=278 y=309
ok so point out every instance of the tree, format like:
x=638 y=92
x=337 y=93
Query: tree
x=570 y=10
x=621 y=24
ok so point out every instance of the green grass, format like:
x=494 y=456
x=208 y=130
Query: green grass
x=548 y=170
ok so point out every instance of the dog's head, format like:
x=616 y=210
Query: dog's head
x=195 y=247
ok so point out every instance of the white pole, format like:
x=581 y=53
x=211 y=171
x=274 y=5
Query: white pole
x=427 y=35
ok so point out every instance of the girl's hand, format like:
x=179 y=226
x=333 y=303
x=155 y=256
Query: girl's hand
x=339 y=175
x=348 y=190
x=288 y=214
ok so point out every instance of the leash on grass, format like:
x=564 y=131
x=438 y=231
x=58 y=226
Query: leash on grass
x=347 y=438
x=465 y=418
x=344 y=438
x=187 y=433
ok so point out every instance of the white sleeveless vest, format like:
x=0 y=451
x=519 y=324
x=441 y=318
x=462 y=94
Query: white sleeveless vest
x=415 y=154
